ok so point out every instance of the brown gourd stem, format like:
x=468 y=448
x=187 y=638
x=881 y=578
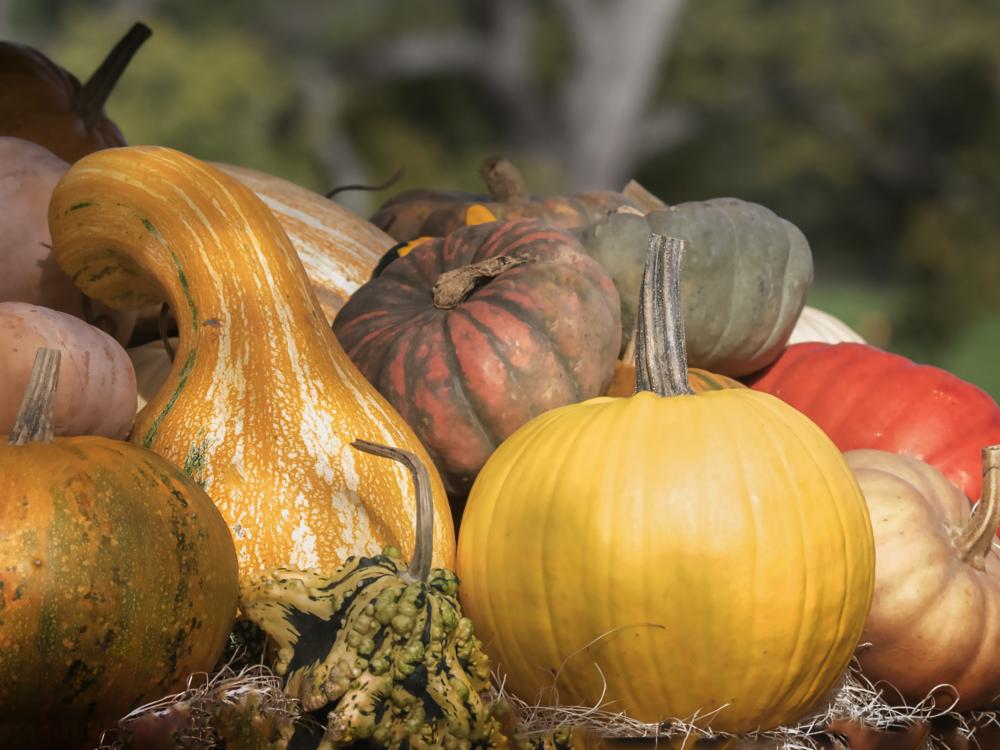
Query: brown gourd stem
x=419 y=568
x=660 y=352
x=164 y=329
x=975 y=540
x=452 y=287
x=504 y=181
x=34 y=418
x=95 y=92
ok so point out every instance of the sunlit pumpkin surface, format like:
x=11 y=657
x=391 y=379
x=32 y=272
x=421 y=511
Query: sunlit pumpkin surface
x=670 y=557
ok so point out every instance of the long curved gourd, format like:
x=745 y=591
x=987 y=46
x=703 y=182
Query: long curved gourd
x=262 y=403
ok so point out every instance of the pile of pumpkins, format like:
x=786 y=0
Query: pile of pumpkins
x=668 y=488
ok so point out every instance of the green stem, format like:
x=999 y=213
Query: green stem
x=975 y=540
x=34 y=418
x=660 y=351
x=94 y=95
x=419 y=568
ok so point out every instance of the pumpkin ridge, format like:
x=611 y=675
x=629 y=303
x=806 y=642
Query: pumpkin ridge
x=449 y=351
x=537 y=329
x=762 y=405
x=475 y=403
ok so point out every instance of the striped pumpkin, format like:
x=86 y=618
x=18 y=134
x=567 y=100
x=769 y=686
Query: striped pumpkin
x=261 y=403
x=467 y=371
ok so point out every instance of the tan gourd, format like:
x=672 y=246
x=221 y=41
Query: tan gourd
x=97 y=393
x=28 y=173
x=934 y=623
x=262 y=403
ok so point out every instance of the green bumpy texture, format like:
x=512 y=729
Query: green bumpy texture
x=386 y=661
x=745 y=277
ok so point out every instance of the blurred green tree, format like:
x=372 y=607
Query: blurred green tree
x=875 y=127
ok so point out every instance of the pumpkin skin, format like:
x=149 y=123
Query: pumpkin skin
x=97 y=391
x=816 y=325
x=46 y=104
x=539 y=335
x=28 y=174
x=436 y=213
x=864 y=397
x=937 y=582
x=668 y=554
x=261 y=402
x=118 y=580
x=746 y=274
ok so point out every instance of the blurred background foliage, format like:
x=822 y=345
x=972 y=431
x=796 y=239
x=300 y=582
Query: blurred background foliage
x=875 y=127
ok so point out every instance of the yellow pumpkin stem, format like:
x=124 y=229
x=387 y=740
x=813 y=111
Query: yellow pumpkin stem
x=419 y=568
x=503 y=180
x=660 y=351
x=975 y=540
x=34 y=418
x=95 y=92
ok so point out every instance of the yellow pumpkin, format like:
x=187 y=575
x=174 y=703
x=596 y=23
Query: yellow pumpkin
x=261 y=404
x=705 y=557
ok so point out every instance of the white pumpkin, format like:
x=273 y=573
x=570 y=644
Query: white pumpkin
x=816 y=325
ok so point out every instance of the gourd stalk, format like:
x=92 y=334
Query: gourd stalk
x=660 y=352
x=975 y=540
x=34 y=418
x=419 y=568
x=97 y=89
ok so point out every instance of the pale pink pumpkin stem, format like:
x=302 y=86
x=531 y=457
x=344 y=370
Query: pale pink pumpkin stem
x=34 y=418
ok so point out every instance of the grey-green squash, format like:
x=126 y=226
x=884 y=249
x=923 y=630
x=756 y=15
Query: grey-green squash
x=746 y=274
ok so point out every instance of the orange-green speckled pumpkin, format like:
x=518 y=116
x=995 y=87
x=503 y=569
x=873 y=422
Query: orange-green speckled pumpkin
x=118 y=578
x=262 y=403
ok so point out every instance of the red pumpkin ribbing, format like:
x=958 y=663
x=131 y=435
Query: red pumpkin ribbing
x=540 y=334
x=864 y=397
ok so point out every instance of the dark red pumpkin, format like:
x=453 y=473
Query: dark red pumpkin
x=44 y=103
x=435 y=213
x=864 y=397
x=525 y=321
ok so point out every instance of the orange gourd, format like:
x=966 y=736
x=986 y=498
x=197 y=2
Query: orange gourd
x=118 y=578
x=262 y=403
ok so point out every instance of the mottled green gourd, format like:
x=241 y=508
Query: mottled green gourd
x=746 y=274
x=378 y=648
